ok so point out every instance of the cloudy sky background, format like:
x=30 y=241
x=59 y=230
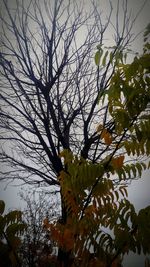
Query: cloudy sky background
x=139 y=190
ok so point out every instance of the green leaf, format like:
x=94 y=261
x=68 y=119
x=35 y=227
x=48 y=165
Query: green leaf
x=2 y=225
x=2 y=206
x=104 y=59
x=13 y=216
x=15 y=228
x=139 y=168
x=98 y=57
x=111 y=57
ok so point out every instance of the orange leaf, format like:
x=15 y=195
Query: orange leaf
x=115 y=263
x=94 y=203
x=118 y=162
x=46 y=223
x=68 y=239
x=106 y=136
x=104 y=132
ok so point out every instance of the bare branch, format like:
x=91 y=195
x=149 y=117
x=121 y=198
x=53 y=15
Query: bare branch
x=50 y=86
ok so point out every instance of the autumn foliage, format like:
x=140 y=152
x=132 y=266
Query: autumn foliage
x=101 y=224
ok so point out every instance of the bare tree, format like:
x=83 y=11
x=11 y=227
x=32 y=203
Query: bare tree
x=36 y=241
x=49 y=84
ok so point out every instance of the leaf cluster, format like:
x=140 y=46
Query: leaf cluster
x=11 y=229
x=102 y=225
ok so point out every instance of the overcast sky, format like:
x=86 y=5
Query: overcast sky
x=139 y=190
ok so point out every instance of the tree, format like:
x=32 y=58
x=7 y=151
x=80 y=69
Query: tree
x=50 y=85
x=102 y=225
x=56 y=101
x=36 y=243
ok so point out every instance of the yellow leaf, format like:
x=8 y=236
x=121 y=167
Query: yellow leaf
x=62 y=154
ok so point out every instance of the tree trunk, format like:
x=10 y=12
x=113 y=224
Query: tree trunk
x=64 y=256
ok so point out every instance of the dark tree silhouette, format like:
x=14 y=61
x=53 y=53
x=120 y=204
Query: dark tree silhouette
x=49 y=85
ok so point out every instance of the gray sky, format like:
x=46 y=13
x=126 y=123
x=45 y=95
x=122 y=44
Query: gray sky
x=138 y=190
